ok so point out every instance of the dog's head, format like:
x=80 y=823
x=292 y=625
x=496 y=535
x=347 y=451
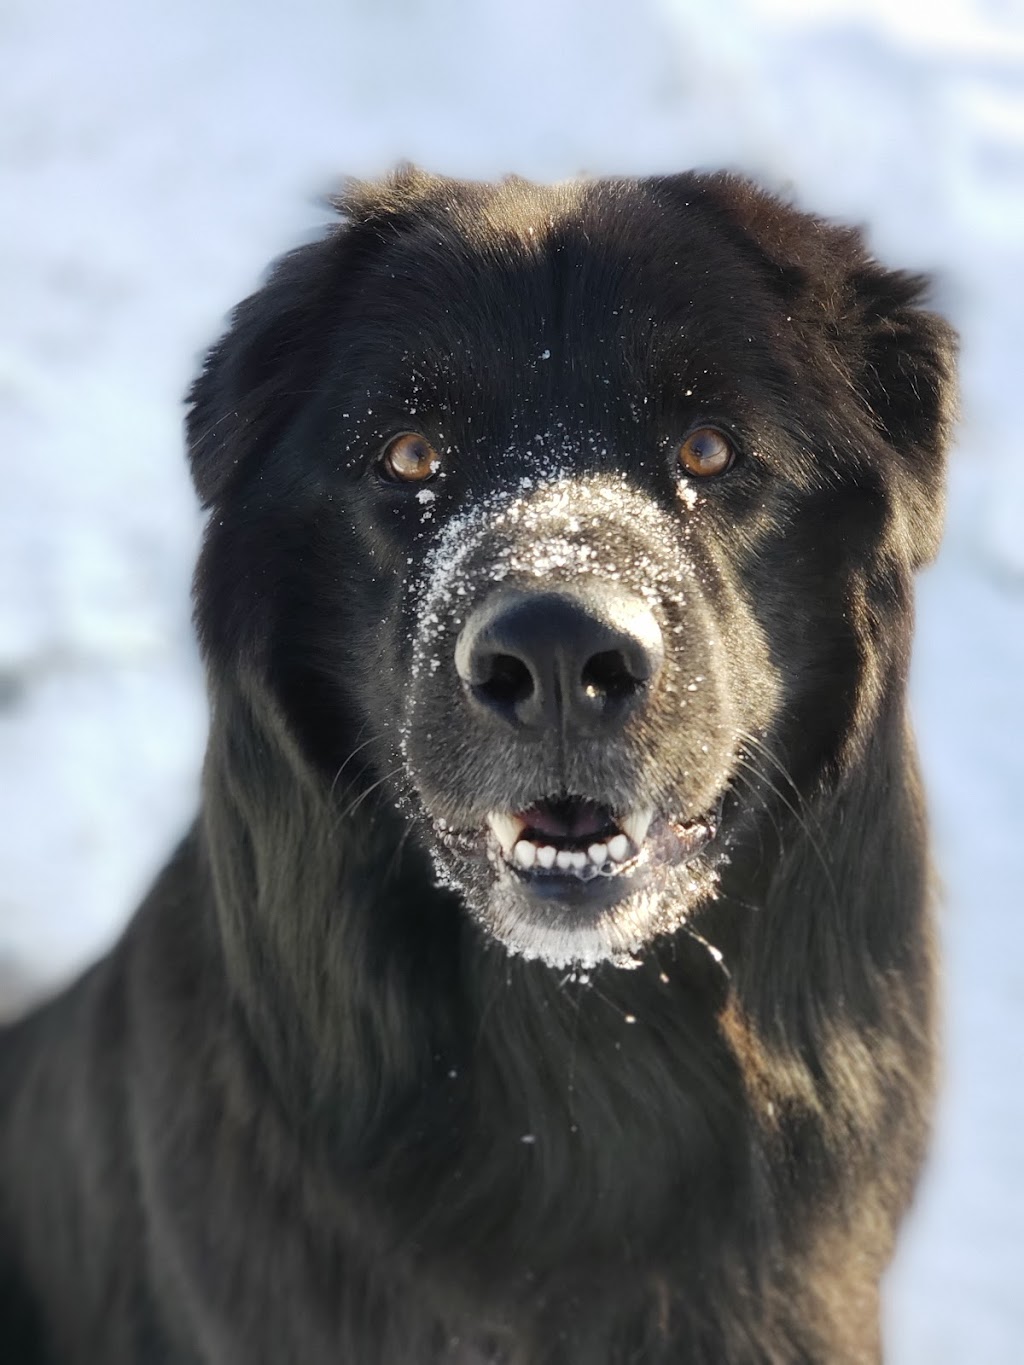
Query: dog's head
x=563 y=513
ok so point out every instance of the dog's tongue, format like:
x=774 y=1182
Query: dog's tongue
x=566 y=819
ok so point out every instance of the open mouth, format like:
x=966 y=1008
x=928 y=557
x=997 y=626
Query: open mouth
x=574 y=880
x=573 y=837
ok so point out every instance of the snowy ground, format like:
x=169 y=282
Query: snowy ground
x=154 y=157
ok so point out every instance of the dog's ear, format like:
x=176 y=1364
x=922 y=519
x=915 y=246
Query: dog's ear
x=256 y=377
x=900 y=358
x=905 y=359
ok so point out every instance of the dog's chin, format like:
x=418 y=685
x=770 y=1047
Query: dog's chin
x=579 y=915
x=562 y=931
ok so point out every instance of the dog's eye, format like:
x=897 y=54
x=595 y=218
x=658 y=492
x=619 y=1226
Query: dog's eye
x=706 y=452
x=410 y=459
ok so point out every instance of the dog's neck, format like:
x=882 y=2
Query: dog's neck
x=405 y=1004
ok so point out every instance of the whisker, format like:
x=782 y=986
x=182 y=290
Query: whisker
x=367 y=792
x=358 y=749
x=801 y=811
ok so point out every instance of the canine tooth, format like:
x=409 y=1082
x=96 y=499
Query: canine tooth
x=598 y=854
x=507 y=829
x=525 y=853
x=546 y=856
x=636 y=825
x=579 y=861
x=564 y=859
x=618 y=848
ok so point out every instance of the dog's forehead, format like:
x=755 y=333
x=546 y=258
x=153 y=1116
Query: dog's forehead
x=572 y=287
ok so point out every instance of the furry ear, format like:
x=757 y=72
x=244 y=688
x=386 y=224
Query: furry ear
x=255 y=378
x=899 y=356
x=907 y=377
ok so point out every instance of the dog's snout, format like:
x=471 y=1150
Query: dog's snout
x=576 y=661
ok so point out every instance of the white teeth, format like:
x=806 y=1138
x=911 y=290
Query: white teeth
x=636 y=825
x=525 y=853
x=618 y=848
x=507 y=829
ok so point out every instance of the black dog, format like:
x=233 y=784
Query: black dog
x=548 y=977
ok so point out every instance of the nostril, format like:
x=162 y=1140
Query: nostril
x=609 y=675
x=543 y=662
x=504 y=680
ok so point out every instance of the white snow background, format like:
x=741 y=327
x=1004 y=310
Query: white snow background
x=154 y=157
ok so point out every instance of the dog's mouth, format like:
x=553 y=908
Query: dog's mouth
x=567 y=840
x=570 y=879
x=570 y=836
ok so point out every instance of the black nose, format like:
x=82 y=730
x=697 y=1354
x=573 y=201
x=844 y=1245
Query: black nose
x=578 y=659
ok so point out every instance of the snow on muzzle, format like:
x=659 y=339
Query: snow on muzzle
x=540 y=665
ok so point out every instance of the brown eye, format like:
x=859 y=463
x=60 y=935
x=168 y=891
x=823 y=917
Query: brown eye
x=410 y=459
x=706 y=452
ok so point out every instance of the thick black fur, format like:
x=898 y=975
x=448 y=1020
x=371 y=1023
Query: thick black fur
x=310 y=1109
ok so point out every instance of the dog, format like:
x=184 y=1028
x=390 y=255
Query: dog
x=548 y=978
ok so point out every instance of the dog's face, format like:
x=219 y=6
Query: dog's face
x=563 y=513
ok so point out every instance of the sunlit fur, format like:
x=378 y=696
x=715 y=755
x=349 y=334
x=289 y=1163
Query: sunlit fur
x=315 y=1107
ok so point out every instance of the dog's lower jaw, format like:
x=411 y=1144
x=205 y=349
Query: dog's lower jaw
x=657 y=901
